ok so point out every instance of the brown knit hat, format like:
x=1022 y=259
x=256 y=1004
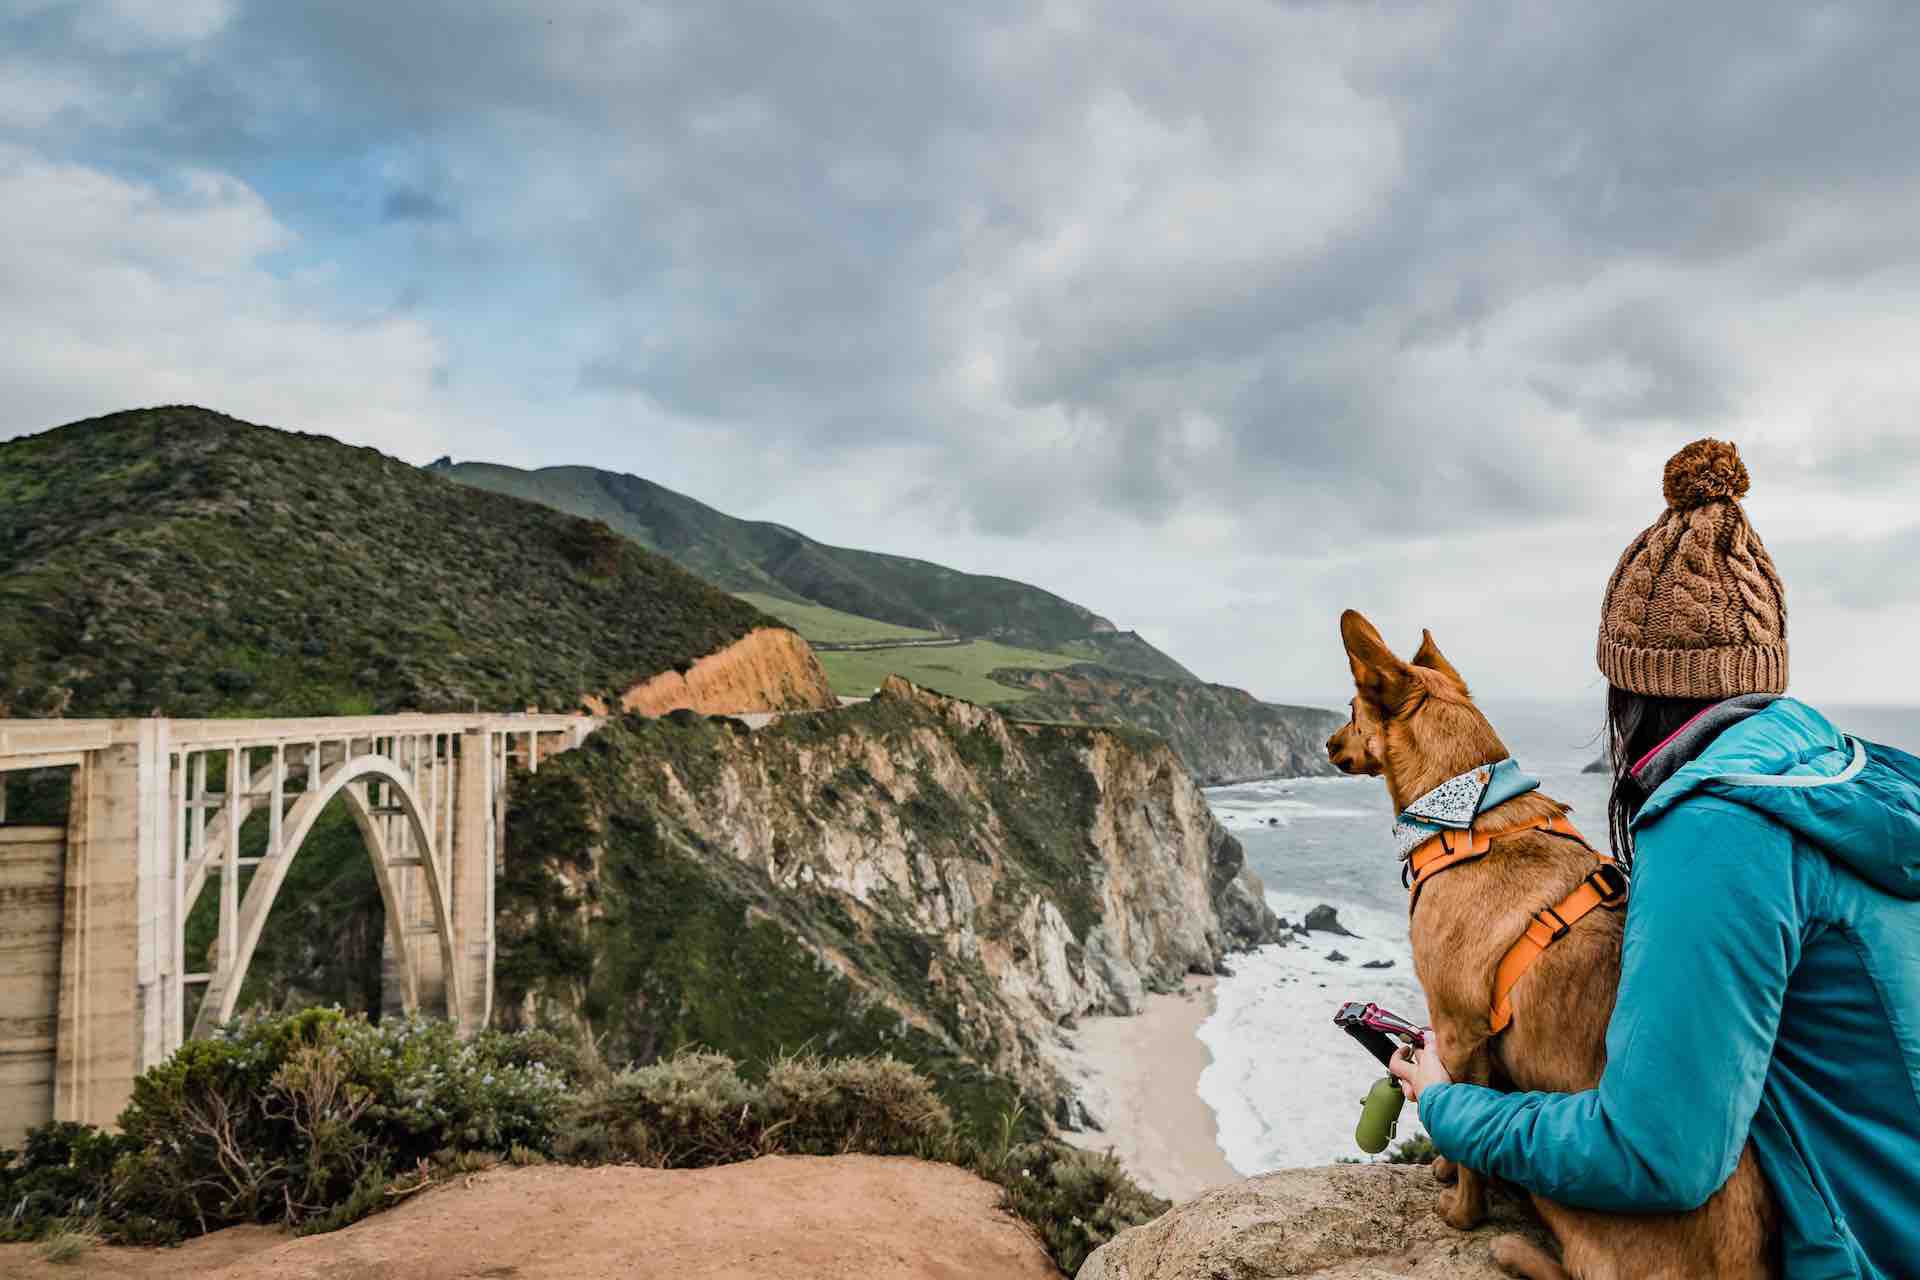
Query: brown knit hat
x=1695 y=608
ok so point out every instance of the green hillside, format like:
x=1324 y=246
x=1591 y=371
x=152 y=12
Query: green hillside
x=179 y=561
x=770 y=559
x=821 y=625
x=959 y=671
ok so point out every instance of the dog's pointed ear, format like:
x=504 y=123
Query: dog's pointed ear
x=1430 y=657
x=1378 y=676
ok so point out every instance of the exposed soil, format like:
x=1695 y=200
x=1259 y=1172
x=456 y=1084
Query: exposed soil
x=777 y=1218
x=767 y=670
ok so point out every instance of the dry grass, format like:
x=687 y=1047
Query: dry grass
x=68 y=1245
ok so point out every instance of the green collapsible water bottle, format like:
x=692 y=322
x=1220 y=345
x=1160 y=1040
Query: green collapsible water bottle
x=1379 y=1114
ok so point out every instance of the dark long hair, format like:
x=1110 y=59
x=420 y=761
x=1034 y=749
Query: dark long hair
x=1636 y=724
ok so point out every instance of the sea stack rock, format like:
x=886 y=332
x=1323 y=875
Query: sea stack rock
x=1324 y=919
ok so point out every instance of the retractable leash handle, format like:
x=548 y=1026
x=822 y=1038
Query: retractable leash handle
x=1377 y=1029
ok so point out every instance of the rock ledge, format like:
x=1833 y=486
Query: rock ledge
x=1343 y=1222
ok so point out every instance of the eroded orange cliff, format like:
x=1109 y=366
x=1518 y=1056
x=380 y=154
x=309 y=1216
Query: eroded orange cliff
x=769 y=669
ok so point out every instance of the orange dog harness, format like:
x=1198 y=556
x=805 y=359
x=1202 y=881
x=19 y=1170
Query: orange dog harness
x=1606 y=887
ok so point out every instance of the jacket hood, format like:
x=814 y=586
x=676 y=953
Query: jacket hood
x=1858 y=802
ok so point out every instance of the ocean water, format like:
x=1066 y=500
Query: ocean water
x=1284 y=1084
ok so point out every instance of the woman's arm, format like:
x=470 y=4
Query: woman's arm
x=1713 y=933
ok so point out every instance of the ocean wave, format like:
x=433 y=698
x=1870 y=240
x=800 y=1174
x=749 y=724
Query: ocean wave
x=1285 y=812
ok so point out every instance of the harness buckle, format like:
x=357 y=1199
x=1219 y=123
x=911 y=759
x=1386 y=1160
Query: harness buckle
x=1559 y=932
x=1610 y=882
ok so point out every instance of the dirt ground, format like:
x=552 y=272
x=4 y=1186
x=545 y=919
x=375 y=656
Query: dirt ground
x=778 y=1218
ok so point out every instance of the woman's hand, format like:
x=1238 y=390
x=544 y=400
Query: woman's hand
x=1417 y=1071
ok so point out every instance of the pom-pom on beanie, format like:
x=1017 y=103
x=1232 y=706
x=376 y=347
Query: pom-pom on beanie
x=1695 y=608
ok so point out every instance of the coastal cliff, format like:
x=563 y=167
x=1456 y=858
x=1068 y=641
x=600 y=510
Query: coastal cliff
x=769 y=669
x=1223 y=734
x=915 y=875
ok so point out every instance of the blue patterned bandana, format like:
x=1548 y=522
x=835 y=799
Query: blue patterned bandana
x=1455 y=803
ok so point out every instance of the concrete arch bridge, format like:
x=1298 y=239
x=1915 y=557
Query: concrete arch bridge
x=93 y=957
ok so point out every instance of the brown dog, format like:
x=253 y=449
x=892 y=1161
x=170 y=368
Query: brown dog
x=1415 y=724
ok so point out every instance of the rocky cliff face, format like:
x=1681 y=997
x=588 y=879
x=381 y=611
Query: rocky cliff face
x=915 y=875
x=769 y=669
x=1222 y=733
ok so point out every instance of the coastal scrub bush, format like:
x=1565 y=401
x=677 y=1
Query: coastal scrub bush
x=302 y=1119
x=1075 y=1200
x=687 y=1111
x=697 y=1109
x=827 y=1106
x=63 y=1171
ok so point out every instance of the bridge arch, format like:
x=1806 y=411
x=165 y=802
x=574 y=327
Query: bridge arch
x=348 y=779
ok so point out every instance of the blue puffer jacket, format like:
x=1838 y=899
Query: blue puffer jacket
x=1770 y=986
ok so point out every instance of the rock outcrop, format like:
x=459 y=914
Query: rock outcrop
x=769 y=669
x=1343 y=1222
x=1222 y=733
x=1324 y=919
x=915 y=875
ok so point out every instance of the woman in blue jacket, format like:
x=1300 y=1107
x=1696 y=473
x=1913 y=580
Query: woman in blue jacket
x=1770 y=975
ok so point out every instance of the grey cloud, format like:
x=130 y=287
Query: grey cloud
x=1866 y=574
x=1338 y=271
x=1634 y=364
x=1886 y=458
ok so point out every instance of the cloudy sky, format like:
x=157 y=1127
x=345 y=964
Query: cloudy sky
x=1216 y=317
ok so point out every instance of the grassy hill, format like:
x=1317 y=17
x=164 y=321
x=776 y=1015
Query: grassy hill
x=959 y=671
x=766 y=559
x=181 y=561
x=1026 y=650
x=821 y=625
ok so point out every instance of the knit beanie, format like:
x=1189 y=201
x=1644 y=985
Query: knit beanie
x=1695 y=608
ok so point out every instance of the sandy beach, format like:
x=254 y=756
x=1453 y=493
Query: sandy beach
x=1140 y=1077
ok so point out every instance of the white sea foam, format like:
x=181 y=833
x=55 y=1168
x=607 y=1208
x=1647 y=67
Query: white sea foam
x=1285 y=1084
x=1284 y=801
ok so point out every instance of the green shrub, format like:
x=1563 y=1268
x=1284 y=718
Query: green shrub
x=65 y=1169
x=432 y=1091
x=1418 y=1149
x=1076 y=1200
x=688 y=1111
x=554 y=1054
x=828 y=1106
x=301 y=1119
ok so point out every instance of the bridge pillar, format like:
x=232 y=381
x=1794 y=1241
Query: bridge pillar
x=116 y=917
x=472 y=844
x=32 y=873
x=422 y=940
